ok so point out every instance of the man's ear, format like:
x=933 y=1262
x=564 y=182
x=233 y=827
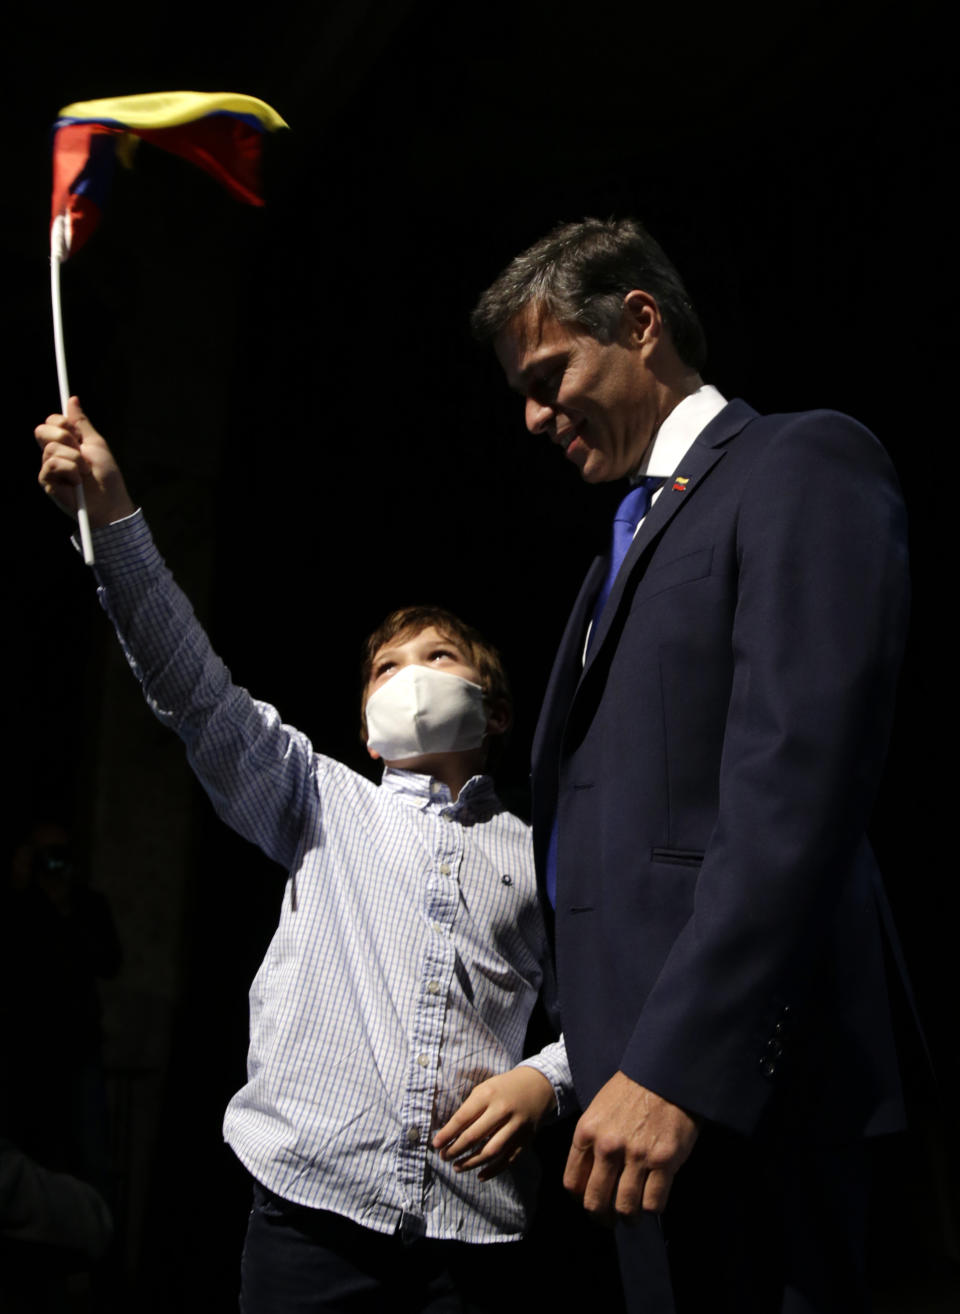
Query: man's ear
x=498 y=716
x=642 y=323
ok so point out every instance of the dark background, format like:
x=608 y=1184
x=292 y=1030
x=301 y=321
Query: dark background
x=297 y=387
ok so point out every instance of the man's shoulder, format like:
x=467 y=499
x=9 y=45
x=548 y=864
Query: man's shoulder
x=791 y=424
x=785 y=436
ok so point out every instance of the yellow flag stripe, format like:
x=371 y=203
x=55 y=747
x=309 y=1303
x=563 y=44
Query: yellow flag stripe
x=170 y=109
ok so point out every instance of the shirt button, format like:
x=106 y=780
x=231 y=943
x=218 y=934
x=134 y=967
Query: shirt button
x=433 y=987
x=423 y=1060
x=413 y=1135
x=444 y=869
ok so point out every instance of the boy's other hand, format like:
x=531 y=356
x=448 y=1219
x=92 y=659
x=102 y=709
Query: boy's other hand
x=496 y=1121
x=73 y=452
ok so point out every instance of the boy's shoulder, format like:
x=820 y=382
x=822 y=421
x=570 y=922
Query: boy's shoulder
x=332 y=774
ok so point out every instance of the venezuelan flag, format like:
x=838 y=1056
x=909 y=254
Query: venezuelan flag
x=220 y=132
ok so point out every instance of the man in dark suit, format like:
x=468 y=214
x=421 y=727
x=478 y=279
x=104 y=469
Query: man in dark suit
x=704 y=768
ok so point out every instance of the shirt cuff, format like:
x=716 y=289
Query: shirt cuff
x=552 y=1063
x=123 y=546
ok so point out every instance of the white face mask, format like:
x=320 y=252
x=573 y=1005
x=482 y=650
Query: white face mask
x=420 y=710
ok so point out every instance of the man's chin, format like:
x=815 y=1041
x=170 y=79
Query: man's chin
x=596 y=470
x=587 y=461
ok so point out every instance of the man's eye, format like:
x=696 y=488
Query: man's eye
x=546 y=387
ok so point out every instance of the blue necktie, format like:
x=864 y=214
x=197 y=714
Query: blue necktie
x=628 y=515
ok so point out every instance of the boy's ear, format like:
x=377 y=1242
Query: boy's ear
x=498 y=716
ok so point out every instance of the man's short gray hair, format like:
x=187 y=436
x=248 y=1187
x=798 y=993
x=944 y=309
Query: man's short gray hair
x=580 y=273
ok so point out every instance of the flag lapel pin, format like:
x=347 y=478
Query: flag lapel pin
x=680 y=485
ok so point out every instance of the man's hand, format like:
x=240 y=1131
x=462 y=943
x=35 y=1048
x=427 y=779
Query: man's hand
x=496 y=1121
x=627 y=1148
x=73 y=452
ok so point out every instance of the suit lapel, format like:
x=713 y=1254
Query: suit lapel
x=693 y=469
x=567 y=674
x=566 y=671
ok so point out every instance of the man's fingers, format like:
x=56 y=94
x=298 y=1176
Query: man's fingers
x=607 y=1184
x=593 y=1176
x=656 y=1190
x=632 y=1190
x=577 y=1172
x=601 y=1188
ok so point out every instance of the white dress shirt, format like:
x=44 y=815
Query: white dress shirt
x=679 y=431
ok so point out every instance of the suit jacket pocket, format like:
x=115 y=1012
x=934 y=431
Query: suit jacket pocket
x=677 y=857
x=681 y=570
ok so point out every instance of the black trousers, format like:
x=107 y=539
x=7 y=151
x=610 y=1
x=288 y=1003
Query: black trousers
x=755 y=1228
x=308 y=1261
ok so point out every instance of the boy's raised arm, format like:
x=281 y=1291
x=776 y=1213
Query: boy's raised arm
x=257 y=771
x=73 y=452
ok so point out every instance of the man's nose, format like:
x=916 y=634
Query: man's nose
x=537 y=416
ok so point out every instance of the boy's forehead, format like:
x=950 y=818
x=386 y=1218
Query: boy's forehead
x=412 y=632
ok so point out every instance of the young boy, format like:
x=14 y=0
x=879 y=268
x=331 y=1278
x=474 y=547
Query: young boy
x=408 y=954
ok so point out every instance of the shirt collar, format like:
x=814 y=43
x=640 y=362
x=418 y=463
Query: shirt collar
x=477 y=800
x=679 y=431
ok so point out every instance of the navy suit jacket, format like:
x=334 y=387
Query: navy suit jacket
x=712 y=768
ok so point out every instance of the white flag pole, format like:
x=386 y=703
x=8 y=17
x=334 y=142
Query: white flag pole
x=58 y=252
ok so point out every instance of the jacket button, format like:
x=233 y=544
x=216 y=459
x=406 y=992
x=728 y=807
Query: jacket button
x=768 y=1067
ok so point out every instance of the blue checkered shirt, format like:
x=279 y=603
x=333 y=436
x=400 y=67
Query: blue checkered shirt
x=408 y=954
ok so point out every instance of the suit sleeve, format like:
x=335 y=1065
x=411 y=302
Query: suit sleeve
x=817 y=643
